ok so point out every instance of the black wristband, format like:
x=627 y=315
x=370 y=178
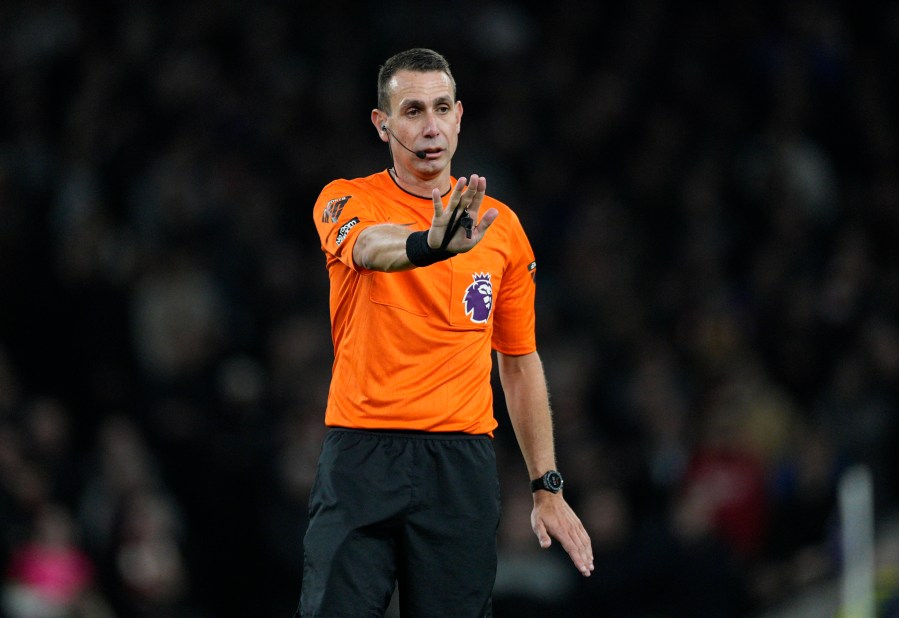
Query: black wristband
x=420 y=252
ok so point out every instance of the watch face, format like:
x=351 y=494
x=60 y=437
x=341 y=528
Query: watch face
x=553 y=481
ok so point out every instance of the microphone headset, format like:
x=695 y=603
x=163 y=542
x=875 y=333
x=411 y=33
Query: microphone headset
x=421 y=154
x=465 y=221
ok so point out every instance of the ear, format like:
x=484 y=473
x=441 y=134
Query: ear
x=458 y=117
x=379 y=118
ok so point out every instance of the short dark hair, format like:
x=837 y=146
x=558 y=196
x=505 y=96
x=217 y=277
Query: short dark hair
x=417 y=59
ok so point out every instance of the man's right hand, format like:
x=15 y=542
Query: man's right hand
x=466 y=196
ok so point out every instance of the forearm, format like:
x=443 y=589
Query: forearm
x=382 y=248
x=527 y=401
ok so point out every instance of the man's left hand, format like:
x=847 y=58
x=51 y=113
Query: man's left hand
x=553 y=518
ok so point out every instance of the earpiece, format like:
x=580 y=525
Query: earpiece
x=421 y=154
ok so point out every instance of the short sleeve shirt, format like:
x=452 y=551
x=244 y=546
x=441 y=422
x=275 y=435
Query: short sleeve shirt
x=412 y=349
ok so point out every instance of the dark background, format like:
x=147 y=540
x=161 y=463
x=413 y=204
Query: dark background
x=712 y=197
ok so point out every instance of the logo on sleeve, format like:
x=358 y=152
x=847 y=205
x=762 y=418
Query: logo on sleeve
x=345 y=229
x=532 y=268
x=333 y=209
x=478 y=298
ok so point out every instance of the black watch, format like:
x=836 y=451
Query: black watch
x=551 y=481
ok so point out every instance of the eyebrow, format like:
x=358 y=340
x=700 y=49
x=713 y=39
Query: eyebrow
x=443 y=100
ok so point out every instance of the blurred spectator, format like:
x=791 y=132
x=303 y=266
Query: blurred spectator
x=49 y=576
x=801 y=542
x=150 y=571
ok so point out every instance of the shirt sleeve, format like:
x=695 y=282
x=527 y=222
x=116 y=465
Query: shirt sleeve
x=340 y=213
x=515 y=320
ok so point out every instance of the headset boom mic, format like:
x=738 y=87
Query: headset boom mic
x=421 y=154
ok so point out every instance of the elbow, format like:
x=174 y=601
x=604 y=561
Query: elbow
x=363 y=253
x=518 y=365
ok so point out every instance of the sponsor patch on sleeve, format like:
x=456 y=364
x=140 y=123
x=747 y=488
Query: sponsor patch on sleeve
x=532 y=268
x=345 y=229
x=333 y=209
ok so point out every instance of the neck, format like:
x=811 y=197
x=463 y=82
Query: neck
x=419 y=187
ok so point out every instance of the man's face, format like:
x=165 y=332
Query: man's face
x=424 y=117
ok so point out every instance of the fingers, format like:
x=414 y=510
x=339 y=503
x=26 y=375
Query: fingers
x=466 y=194
x=438 y=204
x=454 y=200
x=580 y=551
x=542 y=536
x=466 y=197
x=570 y=533
x=577 y=544
x=459 y=193
x=441 y=213
x=486 y=221
x=474 y=194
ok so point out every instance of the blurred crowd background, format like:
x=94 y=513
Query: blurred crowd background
x=713 y=198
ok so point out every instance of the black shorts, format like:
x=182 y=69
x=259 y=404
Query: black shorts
x=415 y=510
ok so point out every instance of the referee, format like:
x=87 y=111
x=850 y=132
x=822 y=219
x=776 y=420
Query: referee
x=428 y=277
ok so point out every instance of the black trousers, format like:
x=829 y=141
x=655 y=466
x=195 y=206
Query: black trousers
x=415 y=510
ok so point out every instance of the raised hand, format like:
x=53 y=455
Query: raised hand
x=467 y=197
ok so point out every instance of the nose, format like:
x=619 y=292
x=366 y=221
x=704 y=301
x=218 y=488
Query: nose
x=430 y=129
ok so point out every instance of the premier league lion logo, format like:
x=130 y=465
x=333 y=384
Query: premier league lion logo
x=479 y=298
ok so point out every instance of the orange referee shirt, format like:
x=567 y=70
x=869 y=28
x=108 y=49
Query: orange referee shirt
x=412 y=349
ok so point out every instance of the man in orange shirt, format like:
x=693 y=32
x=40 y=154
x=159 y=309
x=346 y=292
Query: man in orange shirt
x=407 y=490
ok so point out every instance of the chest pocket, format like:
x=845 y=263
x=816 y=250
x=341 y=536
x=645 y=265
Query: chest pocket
x=420 y=291
x=476 y=281
x=397 y=290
